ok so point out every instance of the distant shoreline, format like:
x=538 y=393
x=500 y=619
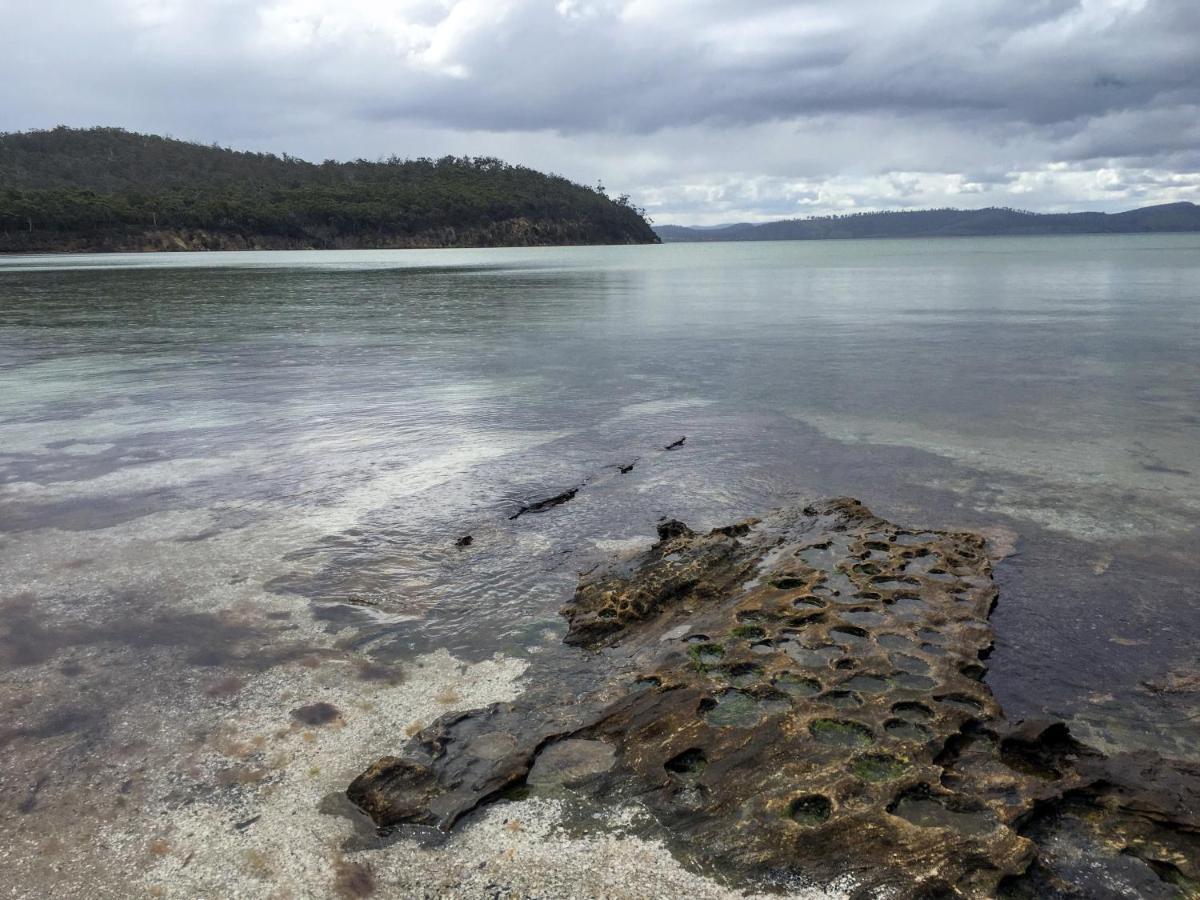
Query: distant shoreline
x=930 y=237
x=1171 y=218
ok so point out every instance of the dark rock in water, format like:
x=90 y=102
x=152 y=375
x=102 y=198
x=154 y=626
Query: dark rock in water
x=801 y=695
x=548 y=503
x=316 y=714
x=676 y=444
x=464 y=541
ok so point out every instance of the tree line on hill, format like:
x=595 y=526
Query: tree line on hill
x=106 y=188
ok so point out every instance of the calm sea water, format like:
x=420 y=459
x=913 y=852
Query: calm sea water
x=179 y=430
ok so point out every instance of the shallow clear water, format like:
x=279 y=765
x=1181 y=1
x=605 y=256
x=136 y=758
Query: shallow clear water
x=179 y=429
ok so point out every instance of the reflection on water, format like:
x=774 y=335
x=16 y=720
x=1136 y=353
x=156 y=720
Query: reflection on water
x=183 y=433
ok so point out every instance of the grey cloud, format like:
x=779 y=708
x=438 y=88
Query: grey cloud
x=776 y=107
x=1074 y=60
x=1136 y=133
x=991 y=177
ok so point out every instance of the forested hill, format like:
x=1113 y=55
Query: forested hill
x=109 y=189
x=949 y=223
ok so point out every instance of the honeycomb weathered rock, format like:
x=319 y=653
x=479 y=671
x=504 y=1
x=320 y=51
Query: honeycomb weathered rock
x=797 y=695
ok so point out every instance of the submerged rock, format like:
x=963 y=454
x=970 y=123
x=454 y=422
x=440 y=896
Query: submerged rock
x=547 y=503
x=316 y=714
x=802 y=695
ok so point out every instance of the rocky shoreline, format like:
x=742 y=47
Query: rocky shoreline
x=504 y=233
x=802 y=697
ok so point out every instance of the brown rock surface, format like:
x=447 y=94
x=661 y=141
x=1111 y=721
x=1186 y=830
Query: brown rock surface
x=802 y=695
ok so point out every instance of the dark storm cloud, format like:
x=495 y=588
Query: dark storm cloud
x=757 y=107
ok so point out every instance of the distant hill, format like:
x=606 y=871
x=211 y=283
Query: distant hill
x=948 y=223
x=110 y=189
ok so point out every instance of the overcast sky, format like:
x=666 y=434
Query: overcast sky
x=703 y=110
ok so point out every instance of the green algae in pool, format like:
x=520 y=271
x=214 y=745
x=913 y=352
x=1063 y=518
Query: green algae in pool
x=797 y=685
x=705 y=655
x=842 y=732
x=812 y=809
x=738 y=709
x=741 y=675
x=748 y=632
x=878 y=767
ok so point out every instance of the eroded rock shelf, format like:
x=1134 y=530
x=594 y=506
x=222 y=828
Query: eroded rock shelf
x=802 y=695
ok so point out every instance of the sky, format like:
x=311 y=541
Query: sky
x=704 y=111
